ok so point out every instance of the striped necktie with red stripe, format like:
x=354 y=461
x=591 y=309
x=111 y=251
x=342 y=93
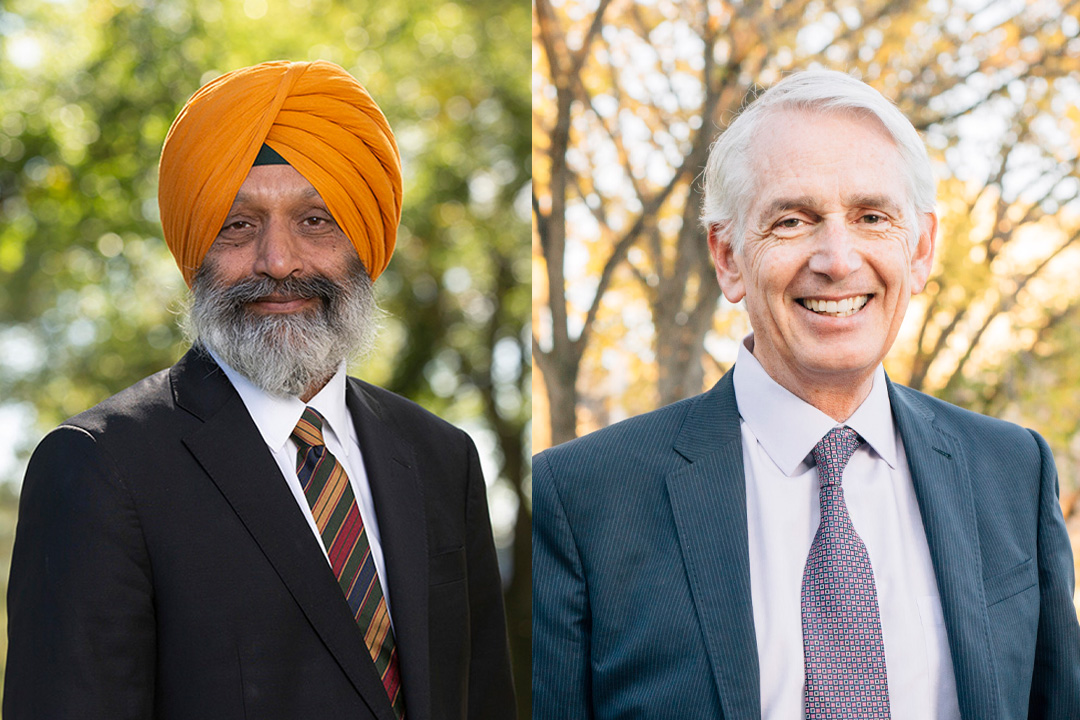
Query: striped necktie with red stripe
x=333 y=505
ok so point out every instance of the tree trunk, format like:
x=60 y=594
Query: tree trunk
x=678 y=357
x=561 y=385
x=519 y=611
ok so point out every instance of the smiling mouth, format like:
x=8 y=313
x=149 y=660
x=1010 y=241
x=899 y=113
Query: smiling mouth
x=836 y=308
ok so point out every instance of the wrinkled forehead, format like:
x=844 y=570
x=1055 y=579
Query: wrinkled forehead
x=279 y=185
x=794 y=149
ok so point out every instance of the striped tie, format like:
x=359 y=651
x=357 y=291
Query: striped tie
x=330 y=496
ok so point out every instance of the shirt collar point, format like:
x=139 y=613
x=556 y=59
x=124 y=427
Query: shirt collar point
x=276 y=417
x=787 y=428
x=874 y=422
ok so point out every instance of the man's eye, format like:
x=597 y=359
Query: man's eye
x=789 y=223
x=315 y=221
x=236 y=225
x=872 y=218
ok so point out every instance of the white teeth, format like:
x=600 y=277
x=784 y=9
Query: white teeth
x=836 y=308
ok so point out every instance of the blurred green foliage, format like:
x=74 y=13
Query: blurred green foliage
x=89 y=293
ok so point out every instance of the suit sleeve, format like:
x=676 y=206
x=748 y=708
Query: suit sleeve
x=1055 y=687
x=561 y=677
x=491 y=686
x=80 y=606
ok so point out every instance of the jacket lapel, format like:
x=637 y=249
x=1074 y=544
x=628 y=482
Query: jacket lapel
x=234 y=455
x=391 y=468
x=708 y=499
x=943 y=489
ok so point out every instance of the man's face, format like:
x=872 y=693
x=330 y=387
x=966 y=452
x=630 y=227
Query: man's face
x=828 y=264
x=282 y=296
x=279 y=227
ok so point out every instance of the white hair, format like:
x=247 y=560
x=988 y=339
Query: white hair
x=729 y=177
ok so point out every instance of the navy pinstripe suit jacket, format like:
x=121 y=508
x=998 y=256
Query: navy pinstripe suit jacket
x=641 y=577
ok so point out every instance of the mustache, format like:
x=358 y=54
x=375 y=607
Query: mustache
x=257 y=288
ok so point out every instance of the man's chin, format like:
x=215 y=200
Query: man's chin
x=272 y=339
x=837 y=367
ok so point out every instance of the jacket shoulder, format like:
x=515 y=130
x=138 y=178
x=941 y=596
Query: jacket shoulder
x=137 y=406
x=102 y=442
x=988 y=441
x=963 y=423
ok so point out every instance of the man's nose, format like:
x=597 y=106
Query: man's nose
x=836 y=253
x=279 y=251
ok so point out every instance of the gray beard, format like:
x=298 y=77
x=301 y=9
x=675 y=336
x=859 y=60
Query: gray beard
x=285 y=354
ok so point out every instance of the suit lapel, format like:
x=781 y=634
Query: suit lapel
x=708 y=500
x=391 y=468
x=943 y=489
x=232 y=452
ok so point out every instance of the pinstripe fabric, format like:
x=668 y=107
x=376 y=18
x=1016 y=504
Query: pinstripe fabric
x=641 y=587
x=333 y=505
x=616 y=612
x=988 y=495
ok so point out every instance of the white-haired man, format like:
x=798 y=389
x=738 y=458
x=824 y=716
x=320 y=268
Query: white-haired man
x=807 y=539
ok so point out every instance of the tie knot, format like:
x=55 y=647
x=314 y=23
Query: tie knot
x=308 y=431
x=833 y=452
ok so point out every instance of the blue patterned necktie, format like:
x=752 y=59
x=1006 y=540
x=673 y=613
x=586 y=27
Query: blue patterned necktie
x=842 y=643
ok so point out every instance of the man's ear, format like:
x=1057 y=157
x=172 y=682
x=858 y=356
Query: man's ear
x=728 y=272
x=922 y=258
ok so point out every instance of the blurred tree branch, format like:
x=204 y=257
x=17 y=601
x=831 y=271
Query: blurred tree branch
x=991 y=87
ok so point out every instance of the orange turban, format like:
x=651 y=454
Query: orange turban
x=318 y=118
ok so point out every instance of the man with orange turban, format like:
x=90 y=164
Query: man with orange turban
x=251 y=533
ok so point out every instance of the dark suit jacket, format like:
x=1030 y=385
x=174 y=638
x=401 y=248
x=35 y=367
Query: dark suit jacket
x=641 y=574
x=162 y=568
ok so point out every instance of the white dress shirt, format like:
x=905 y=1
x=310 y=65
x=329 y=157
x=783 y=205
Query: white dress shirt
x=779 y=430
x=276 y=418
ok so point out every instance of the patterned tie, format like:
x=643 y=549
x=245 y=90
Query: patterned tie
x=842 y=643
x=330 y=496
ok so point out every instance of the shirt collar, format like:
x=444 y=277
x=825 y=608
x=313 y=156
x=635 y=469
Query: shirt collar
x=276 y=416
x=788 y=427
